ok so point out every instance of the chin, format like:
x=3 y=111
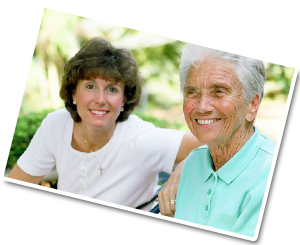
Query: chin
x=206 y=138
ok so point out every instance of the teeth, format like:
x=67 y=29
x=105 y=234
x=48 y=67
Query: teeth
x=206 y=122
x=99 y=112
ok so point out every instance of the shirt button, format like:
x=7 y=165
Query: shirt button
x=206 y=207
x=208 y=192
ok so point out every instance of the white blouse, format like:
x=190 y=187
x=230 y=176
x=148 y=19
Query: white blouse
x=131 y=160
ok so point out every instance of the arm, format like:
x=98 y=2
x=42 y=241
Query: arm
x=18 y=174
x=188 y=143
x=169 y=192
x=250 y=210
x=39 y=157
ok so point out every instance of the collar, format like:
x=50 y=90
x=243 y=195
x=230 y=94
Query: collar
x=236 y=165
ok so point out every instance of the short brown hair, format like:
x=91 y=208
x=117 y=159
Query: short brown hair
x=98 y=58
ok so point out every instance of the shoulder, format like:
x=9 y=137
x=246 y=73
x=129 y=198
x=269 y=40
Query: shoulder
x=264 y=157
x=199 y=151
x=57 y=120
x=58 y=117
x=268 y=146
x=259 y=169
x=60 y=114
x=137 y=127
x=133 y=128
x=136 y=123
x=146 y=135
x=196 y=156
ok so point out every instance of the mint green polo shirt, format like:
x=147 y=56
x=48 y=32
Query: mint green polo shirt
x=229 y=199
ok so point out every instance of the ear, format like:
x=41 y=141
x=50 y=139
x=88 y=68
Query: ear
x=253 y=108
x=73 y=96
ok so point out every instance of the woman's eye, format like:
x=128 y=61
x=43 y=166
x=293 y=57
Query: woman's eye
x=112 y=90
x=190 y=93
x=220 y=92
x=90 y=86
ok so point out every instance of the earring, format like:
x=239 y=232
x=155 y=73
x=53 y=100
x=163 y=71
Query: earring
x=122 y=109
x=74 y=102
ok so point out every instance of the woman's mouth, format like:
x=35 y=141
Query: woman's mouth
x=206 y=121
x=99 y=112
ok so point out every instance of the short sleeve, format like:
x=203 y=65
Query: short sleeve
x=158 y=148
x=250 y=210
x=38 y=159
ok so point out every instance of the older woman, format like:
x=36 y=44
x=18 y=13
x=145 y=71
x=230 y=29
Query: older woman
x=223 y=183
x=98 y=148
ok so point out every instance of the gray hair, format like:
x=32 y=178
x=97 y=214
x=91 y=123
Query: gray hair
x=250 y=72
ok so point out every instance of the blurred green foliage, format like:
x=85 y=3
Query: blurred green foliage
x=26 y=127
x=278 y=81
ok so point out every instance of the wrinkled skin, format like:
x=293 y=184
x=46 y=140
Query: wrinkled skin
x=169 y=192
x=215 y=109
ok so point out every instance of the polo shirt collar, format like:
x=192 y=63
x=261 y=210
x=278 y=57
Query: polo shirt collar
x=237 y=164
x=207 y=165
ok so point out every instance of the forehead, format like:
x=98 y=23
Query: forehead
x=212 y=72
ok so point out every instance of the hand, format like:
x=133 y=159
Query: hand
x=169 y=192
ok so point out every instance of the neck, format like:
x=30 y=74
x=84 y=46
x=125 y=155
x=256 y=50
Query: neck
x=223 y=152
x=90 y=139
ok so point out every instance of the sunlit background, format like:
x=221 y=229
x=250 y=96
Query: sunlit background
x=61 y=35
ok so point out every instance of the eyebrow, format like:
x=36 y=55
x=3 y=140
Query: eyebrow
x=107 y=81
x=220 y=85
x=113 y=83
x=212 y=85
x=189 y=87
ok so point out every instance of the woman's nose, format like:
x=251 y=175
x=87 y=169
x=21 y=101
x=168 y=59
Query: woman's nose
x=100 y=97
x=204 y=104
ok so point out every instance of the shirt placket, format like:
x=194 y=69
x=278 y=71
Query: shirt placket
x=209 y=194
x=83 y=175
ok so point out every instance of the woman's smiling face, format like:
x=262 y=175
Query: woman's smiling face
x=214 y=106
x=99 y=102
